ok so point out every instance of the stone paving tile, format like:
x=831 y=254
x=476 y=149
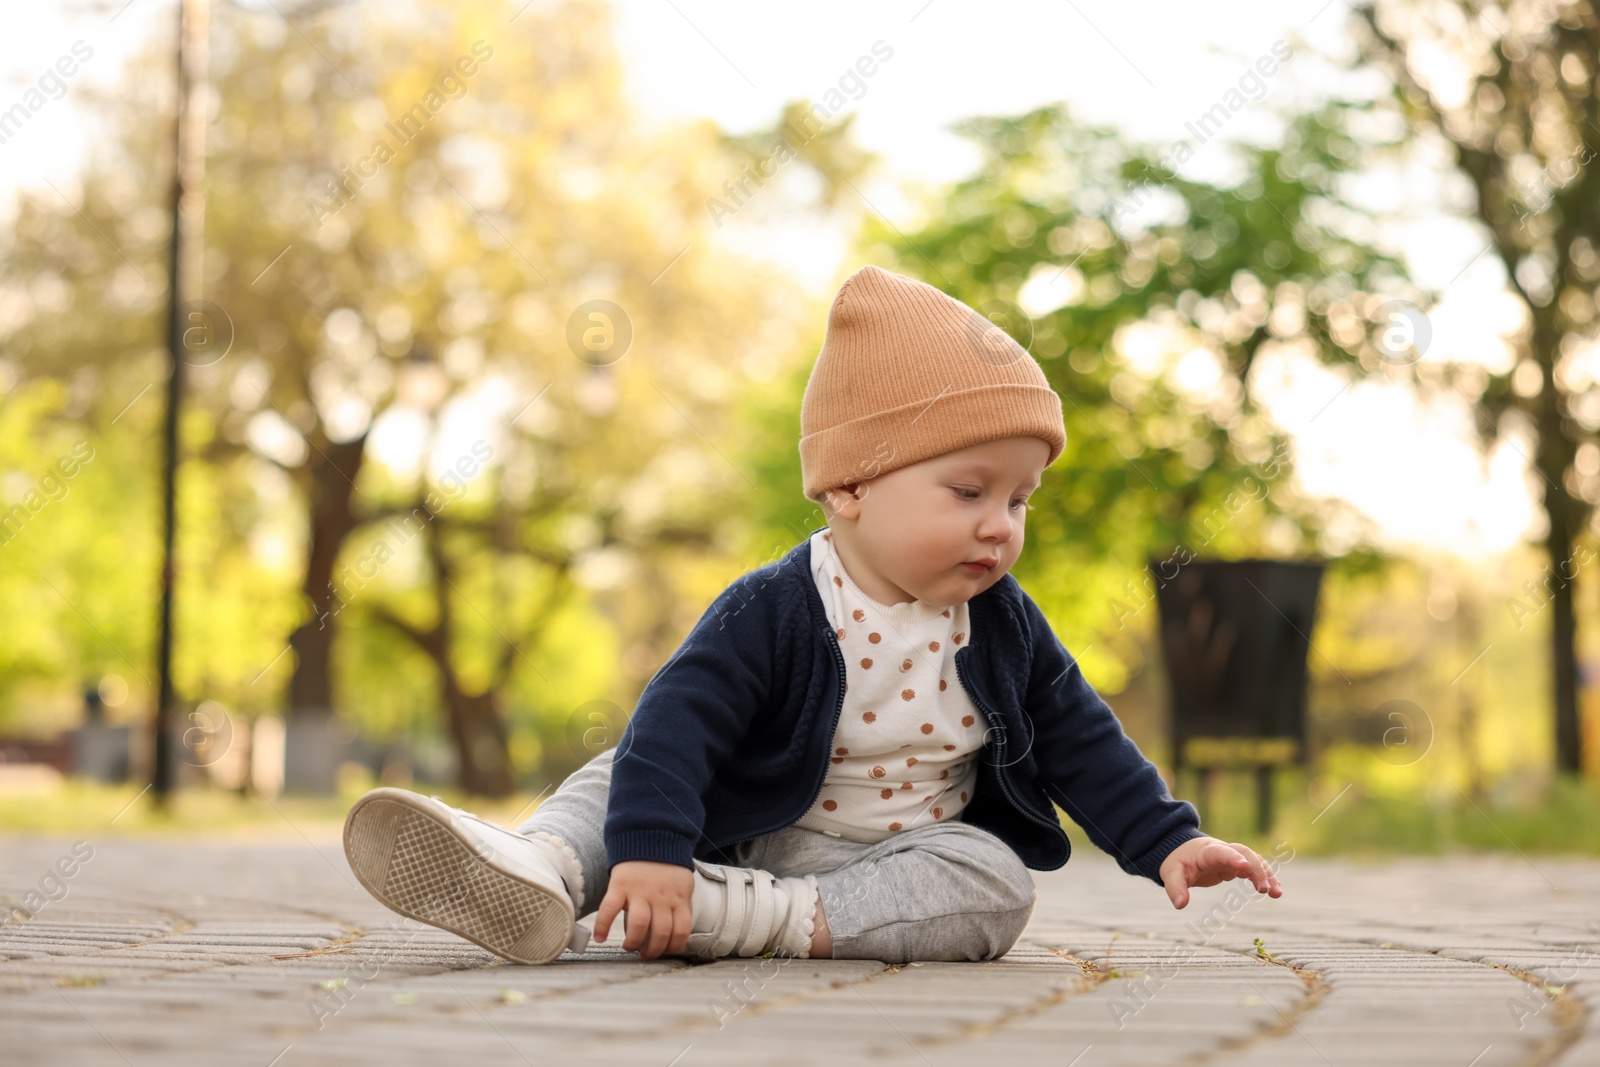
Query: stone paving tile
x=272 y=956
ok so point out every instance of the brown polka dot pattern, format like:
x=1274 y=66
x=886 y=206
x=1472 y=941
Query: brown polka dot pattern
x=920 y=647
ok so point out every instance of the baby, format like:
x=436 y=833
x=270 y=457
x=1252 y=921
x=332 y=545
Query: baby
x=856 y=752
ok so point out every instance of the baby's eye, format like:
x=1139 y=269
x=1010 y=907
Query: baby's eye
x=966 y=494
x=1023 y=503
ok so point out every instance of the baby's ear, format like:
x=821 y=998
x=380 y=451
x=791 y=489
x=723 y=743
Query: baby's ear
x=841 y=500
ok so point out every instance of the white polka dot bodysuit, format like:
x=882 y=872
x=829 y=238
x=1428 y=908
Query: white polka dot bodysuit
x=904 y=753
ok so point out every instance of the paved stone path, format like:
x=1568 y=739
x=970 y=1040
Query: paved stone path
x=270 y=955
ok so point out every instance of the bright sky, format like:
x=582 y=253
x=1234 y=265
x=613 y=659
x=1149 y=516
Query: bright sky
x=1409 y=466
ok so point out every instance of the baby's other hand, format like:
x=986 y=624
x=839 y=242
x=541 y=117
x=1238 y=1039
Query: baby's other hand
x=1203 y=861
x=656 y=897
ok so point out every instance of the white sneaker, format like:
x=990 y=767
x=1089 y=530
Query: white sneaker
x=745 y=912
x=451 y=869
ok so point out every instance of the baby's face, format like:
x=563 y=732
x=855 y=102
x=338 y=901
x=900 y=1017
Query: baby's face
x=922 y=532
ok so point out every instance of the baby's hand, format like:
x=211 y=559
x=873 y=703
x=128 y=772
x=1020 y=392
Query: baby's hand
x=1203 y=861
x=656 y=898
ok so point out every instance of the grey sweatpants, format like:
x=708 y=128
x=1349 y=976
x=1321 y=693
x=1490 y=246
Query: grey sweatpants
x=945 y=891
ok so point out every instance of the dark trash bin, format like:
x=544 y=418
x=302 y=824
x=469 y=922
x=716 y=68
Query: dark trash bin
x=1234 y=637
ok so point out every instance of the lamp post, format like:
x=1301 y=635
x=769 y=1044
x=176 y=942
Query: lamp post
x=183 y=282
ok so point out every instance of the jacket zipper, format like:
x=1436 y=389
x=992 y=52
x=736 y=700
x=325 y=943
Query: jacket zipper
x=999 y=772
x=838 y=658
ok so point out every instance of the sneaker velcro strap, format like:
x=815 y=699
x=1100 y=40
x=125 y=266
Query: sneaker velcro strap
x=764 y=905
x=733 y=926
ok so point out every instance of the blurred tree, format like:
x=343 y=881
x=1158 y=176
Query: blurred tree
x=407 y=211
x=1517 y=103
x=473 y=717
x=829 y=149
x=63 y=580
x=1148 y=298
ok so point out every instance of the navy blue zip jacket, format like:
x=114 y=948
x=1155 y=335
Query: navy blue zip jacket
x=731 y=737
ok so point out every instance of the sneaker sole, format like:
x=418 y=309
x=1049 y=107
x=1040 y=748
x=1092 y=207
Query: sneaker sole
x=413 y=862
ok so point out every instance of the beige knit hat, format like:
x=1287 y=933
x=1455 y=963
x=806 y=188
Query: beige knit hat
x=907 y=373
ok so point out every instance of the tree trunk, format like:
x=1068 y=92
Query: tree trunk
x=479 y=732
x=331 y=476
x=1554 y=458
x=1563 y=652
x=476 y=727
x=1485 y=159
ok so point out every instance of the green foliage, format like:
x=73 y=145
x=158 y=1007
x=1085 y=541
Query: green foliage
x=617 y=503
x=1378 y=816
x=1555 y=819
x=1166 y=451
x=71 y=553
x=464 y=252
